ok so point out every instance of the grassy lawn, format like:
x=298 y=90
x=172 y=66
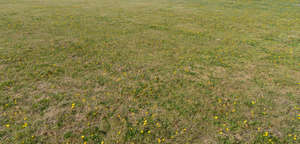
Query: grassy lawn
x=149 y=71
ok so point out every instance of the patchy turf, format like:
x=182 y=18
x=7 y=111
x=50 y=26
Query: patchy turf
x=149 y=71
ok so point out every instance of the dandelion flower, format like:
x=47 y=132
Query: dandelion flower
x=82 y=136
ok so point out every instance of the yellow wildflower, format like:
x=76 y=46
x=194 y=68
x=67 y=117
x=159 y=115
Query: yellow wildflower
x=253 y=102
x=73 y=105
x=215 y=117
x=158 y=140
x=266 y=134
x=82 y=136
x=25 y=125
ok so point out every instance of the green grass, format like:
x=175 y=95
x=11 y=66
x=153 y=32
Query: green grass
x=149 y=71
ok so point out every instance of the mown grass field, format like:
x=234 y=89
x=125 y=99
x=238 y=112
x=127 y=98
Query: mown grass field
x=149 y=71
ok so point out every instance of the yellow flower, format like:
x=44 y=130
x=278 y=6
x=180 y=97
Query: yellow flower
x=253 y=102
x=270 y=140
x=227 y=129
x=245 y=121
x=25 y=125
x=142 y=131
x=102 y=142
x=215 y=117
x=82 y=136
x=7 y=125
x=266 y=134
x=158 y=140
x=289 y=135
x=258 y=129
x=157 y=124
x=233 y=110
x=85 y=142
x=149 y=132
x=73 y=105
x=145 y=122
x=221 y=132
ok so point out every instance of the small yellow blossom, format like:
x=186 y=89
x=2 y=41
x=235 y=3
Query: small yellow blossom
x=157 y=124
x=266 y=134
x=253 y=102
x=145 y=122
x=245 y=121
x=289 y=135
x=85 y=142
x=25 y=125
x=227 y=129
x=73 y=105
x=158 y=140
x=102 y=142
x=215 y=117
x=142 y=131
x=149 y=132
x=220 y=132
x=258 y=129
x=82 y=136
x=7 y=125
